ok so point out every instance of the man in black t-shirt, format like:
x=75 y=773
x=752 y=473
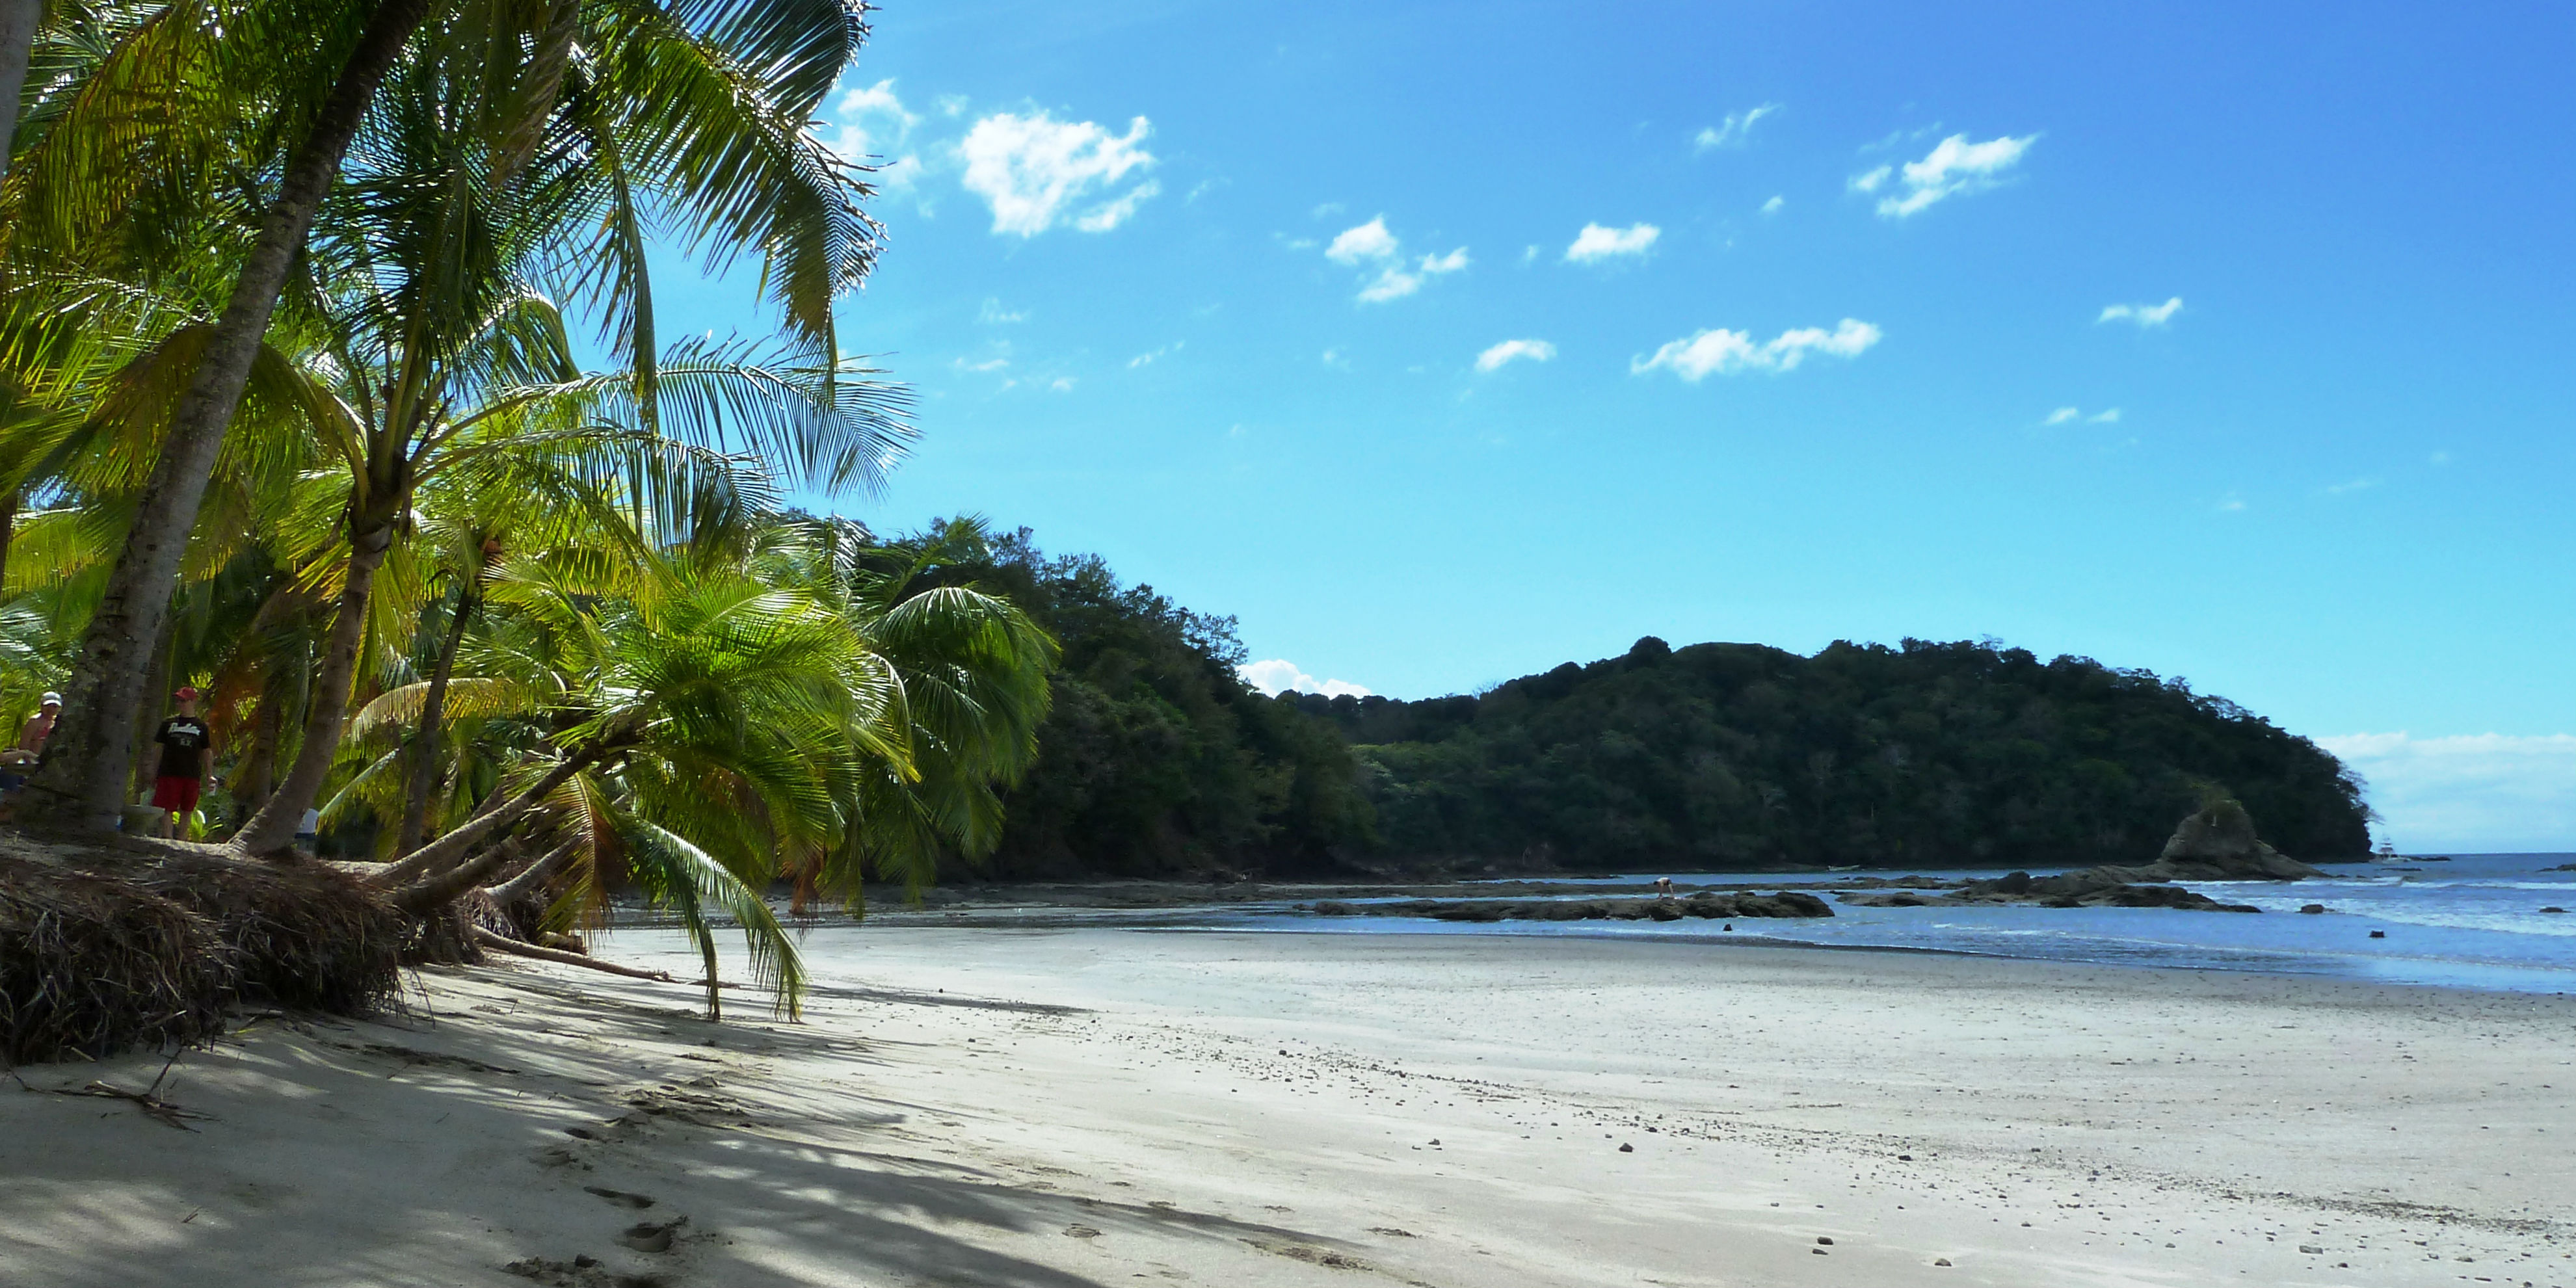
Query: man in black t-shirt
x=186 y=747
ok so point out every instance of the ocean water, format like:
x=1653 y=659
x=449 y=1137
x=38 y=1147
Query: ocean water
x=2473 y=922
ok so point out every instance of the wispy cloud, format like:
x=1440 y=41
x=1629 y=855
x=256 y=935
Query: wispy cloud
x=989 y=364
x=2064 y=415
x=2145 y=315
x=1954 y=166
x=1515 y=351
x=1035 y=171
x=2350 y=486
x=1733 y=131
x=2231 y=503
x=995 y=315
x=1371 y=243
x=1772 y=207
x=1279 y=675
x=2494 y=792
x=1149 y=359
x=1597 y=243
x=1722 y=352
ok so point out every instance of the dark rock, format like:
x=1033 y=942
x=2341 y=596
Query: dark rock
x=1664 y=910
x=1333 y=908
x=2218 y=844
x=2312 y=908
x=2553 y=908
x=2379 y=934
x=2011 y=883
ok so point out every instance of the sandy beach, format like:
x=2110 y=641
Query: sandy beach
x=1049 y=1109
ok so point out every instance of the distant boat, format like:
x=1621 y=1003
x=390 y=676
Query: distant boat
x=1848 y=867
x=2386 y=853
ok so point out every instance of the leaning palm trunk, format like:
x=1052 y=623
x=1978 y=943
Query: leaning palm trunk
x=274 y=826
x=18 y=21
x=433 y=709
x=83 y=779
x=441 y=858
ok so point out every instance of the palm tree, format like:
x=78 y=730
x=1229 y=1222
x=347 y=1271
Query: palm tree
x=698 y=109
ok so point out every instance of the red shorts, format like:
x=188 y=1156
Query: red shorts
x=178 y=795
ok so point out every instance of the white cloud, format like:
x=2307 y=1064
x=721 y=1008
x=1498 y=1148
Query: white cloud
x=873 y=120
x=1112 y=214
x=2472 y=792
x=1734 y=130
x=1279 y=675
x=1149 y=359
x=1371 y=243
x=1370 y=240
x=2145 y=315
x=1337 y=359
x=1596 y=243
x=989 y=364
x=1953 y=166
x=1772 y=207
x=994 y=313
x=2232 y=504
x=1034 y=170
x=1722 y=352
x=1511 y=350
x=2350 y=485
x=1062 y=384
x=2062 y=415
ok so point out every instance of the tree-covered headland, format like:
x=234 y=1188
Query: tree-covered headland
x=1720 y=756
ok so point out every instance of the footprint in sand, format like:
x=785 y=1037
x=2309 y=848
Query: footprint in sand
x=652 y=1236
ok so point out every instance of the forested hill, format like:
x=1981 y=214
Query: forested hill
x=1157 y=759
x=1736 y=755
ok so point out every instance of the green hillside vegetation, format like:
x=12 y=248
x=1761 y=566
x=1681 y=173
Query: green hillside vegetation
x=1721 y=756
x=1156 y=759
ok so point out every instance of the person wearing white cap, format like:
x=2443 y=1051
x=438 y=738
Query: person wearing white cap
x=30 y=746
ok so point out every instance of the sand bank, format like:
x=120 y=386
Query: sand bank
x=1099 y=1107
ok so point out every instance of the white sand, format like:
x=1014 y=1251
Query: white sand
x=2067 y=1126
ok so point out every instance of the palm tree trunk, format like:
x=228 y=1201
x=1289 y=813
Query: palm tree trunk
x=438 y=858
x=535 y=877
x=274 y=826
x=80 y=785
x=433 y=708
x=18 y=19
x=8 y=515
x=256 y=776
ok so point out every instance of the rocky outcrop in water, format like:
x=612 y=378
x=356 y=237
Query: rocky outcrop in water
x=2216 y=844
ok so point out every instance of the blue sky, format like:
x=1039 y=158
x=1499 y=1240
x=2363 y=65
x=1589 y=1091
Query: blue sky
x=1444 y=343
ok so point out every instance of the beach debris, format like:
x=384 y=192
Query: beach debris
x=2310 y=1247
x=1081 y=1232
x=1397 y=1231
x=621 y=1197
x=1825 y=1240
x=1940 y=1261
x=1625 y=1148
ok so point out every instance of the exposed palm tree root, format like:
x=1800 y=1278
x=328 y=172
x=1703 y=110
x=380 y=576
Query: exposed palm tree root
x=505 y=944
x=136 y=945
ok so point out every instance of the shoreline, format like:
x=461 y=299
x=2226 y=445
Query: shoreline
x=1265 y=1109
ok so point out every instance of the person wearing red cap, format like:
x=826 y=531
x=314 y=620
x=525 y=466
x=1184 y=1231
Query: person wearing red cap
x=185 y=748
